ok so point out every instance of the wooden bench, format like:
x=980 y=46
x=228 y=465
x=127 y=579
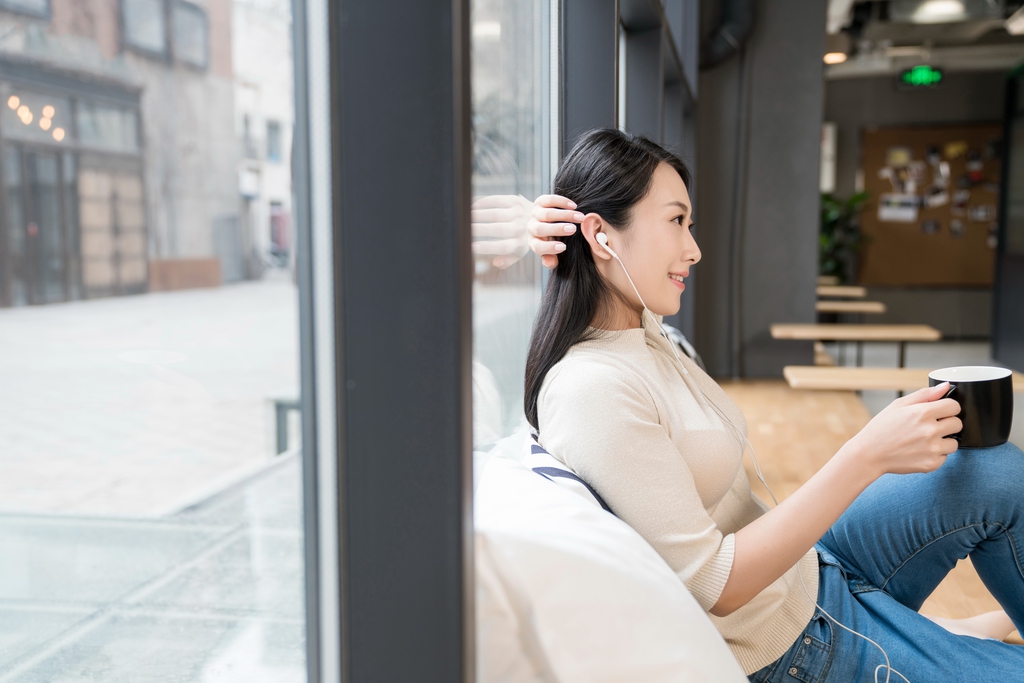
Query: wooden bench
x=828 y=280
x=842 y=292
x=865 y=379
x=858 y=333
x=849 y=307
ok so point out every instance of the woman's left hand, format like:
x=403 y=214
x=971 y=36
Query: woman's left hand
x=553 y=216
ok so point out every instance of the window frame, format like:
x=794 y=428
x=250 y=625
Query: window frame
x=184 y=5
x=276 y=157
x=385 y=422
x=128 y=46
x=8 y=6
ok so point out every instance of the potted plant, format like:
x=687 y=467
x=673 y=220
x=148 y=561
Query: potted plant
x=840 y=239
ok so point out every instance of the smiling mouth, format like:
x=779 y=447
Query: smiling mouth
x=677 y=278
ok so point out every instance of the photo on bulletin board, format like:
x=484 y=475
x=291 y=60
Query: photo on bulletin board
x=933 y=192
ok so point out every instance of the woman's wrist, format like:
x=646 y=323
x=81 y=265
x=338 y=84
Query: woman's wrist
x=859 y=462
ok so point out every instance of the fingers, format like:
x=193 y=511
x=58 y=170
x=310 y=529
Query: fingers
x=497 y=214
x=950 y=425
x=926 y=394
x=543 y=247
x=549 y=261
x=544 y=215
x=946 y=407
x=497 y=230
x=554 y=201
x=503 y=262
x=541 y=229
x=498 y=247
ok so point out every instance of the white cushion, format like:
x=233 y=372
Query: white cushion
x=580 y=594
x=542 y=462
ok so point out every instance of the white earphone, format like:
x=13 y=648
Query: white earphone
x=602 y=239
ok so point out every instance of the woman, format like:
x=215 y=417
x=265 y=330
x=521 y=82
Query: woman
x=865 y=540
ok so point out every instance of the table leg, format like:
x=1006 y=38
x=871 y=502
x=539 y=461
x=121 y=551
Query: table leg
x=903 y=362
x=860 y=354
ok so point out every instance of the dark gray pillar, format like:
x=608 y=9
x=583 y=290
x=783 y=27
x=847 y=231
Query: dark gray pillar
x=644 y=83
x=760 y=123
x=396 y=481
x=589 y=46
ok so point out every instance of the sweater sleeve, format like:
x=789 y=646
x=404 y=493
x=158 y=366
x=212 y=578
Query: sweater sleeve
x=604 y=425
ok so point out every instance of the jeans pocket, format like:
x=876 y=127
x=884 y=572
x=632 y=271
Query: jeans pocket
x=813 y=656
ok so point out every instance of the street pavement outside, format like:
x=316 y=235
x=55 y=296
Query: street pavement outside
x=138 y=405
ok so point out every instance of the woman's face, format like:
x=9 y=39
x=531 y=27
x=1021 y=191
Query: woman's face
x=657 y=249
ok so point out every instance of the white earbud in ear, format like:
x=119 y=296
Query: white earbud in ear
x=602 y=239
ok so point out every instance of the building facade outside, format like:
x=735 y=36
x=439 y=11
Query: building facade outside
x=117 y=149
x=264 y=116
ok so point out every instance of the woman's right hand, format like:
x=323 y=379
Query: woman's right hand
x=552 y=216
x=909 y=435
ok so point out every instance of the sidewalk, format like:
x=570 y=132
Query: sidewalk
x=213 y=594
x=135 y=405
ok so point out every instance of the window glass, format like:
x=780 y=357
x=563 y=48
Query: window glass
x=511 y=167
x=273 y=141
x=113 y=128
x=31 y=115
x=190 y=34
x=144 y=25
x=150 y=486
x=39 y=8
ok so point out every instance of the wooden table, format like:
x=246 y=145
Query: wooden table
x=849 y=307
x=865 y=379
x=828 y=280
x=858 y=333
x=842 y=292
x=858 y=308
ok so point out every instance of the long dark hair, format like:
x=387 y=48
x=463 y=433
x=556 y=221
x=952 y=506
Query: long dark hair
x=607 y=172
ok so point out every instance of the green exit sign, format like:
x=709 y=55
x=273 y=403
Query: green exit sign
x=921 y=77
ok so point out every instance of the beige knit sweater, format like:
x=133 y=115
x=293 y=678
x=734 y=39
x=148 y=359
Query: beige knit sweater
x=620 y=411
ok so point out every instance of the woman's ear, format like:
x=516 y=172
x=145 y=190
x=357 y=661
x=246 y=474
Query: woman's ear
x=591 y=225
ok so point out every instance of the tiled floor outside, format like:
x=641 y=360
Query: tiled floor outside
x=115 y=416
x=212 y=594
x=136 y=405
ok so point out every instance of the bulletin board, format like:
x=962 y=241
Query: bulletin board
x=930 y=218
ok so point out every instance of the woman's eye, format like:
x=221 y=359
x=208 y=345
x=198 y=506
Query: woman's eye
x=678 y=219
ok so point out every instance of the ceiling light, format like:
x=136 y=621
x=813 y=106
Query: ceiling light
x=45 y=123
x=48 y=111
x=58 y=134
x=940 y=11
x=13 y=101
x=835 y=57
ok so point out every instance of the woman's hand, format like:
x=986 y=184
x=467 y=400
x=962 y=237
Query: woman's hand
x=552 y=216
x=909 y=435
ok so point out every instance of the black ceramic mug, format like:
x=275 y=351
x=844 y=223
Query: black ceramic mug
x=985 y=395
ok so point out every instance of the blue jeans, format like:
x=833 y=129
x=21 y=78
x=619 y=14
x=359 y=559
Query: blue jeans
x=887 y=553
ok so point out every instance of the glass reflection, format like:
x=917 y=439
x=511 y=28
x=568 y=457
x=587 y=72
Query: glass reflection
x=150 y=496
x=512 y=165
